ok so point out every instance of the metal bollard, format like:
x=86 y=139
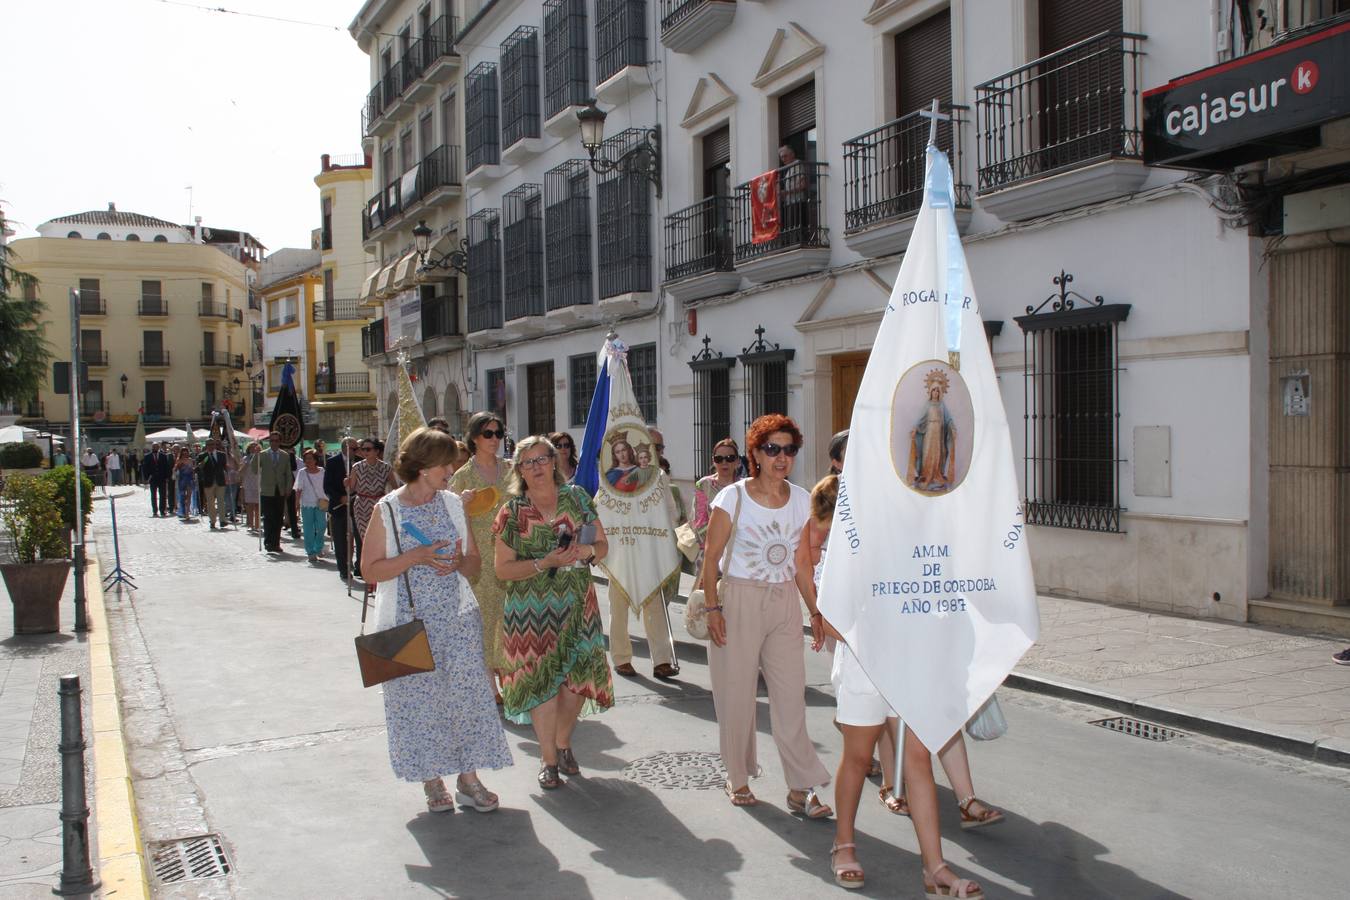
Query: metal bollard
x=77 y=875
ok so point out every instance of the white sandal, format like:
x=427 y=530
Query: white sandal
x=959 y=888
x=842 y=871
x=438 y=798
x=475 y=795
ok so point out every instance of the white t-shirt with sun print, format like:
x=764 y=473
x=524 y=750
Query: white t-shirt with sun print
x=765 y=540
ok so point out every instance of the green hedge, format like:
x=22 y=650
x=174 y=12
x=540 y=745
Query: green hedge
x=20 y=455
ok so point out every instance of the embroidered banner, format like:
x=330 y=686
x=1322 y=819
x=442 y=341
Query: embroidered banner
x=765 y=219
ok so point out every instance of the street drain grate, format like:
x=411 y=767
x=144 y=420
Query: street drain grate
x=688 y=770
x=1139 y=728
x=189 y=859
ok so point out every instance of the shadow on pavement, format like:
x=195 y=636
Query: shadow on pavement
x=640 y=838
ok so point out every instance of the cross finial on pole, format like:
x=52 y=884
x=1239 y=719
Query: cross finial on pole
x=934 y=115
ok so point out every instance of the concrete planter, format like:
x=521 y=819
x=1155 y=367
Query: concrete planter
x=35 y=590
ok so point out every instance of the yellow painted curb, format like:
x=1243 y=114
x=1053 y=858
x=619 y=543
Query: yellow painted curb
x=121 y=857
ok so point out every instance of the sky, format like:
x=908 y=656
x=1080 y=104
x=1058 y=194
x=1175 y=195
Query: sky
x=132 y=101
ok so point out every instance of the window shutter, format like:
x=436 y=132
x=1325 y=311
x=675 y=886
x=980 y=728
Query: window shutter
x=797 y=110
x=1066 y=22
x=923 y=64
x=717 y=148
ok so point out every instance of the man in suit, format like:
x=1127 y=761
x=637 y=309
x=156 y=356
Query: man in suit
x=276 y=480
x=158 y=470
x=211 y=477
x=335 y=471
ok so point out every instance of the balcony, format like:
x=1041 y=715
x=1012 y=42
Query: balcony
x=209 y=309
x=342 y=383
x=884 y=173
x=792 y=239
x=700 y=253
x=438 y=178
x=342 y=309
x=97 y=358
x=220 y=359
x=154 y=359
x=430 y=61
x=383 y=208
x=567 y=83
x=156 y=408
x=254 y=300
x=620 y=49
x=152 y=307
x=32 y=409
x=237 y=316
x=283 y=320
x=94 y=408
x=687 y=25
x=372 y=339
x=440 y=319
x=92 y=304
x=1063 y=130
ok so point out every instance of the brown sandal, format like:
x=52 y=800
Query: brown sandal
x=567 y=763
x=741 y=797
x=970 y=820
x=548 y=777
x=889 y=800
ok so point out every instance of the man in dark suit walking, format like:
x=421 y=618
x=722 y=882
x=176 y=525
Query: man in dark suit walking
x=157 y=468
x=335 y=471
x=276 y=481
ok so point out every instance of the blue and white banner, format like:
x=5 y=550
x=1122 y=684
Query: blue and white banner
x=927 y=576
x=620 y=466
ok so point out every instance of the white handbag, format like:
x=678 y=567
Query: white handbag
x=695 y=615
x=988 y=723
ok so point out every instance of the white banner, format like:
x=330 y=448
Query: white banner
x=631 y=499
x=927 y=575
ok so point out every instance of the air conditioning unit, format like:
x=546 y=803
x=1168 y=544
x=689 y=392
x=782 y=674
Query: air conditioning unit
x=1318 y=210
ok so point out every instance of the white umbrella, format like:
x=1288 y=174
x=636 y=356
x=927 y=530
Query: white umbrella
x=13 y=434
x=168 y=434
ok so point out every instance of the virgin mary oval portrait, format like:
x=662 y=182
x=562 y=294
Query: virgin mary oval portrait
x=932 y=428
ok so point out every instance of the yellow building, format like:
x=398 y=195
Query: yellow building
x=162 y=321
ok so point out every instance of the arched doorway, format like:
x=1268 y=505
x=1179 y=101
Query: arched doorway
x=429 y=403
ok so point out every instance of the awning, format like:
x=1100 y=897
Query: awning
x=385 y=280
x=368 y=287
x=405 y=275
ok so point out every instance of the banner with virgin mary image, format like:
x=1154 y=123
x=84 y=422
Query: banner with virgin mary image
x=631 y=496
x=927 y=574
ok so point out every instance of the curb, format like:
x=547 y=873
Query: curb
x=121 y=857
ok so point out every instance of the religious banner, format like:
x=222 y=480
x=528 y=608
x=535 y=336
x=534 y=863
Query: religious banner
x=928 y=576
x=631 y=493
x=408 y=417
x=764 y=215
x=288 y=420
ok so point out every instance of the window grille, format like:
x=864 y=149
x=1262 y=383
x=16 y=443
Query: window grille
x=766 y=384
x=582 y=373
x=520 y=85
x=712 y=402
x=623 y=218
x=565 y=64
x=481 y=138
x=642 y=371
x=523 y=251
x=485 y=270
x=567 y=217
x=620 y=36
x=1071 y=384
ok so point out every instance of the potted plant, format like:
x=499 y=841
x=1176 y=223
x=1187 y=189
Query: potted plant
x=36 y=575
x=62 y=480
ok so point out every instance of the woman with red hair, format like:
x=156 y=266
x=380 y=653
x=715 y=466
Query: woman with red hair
x=755 y=620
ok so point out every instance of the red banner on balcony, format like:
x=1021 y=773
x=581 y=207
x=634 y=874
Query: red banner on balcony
x=764 y=217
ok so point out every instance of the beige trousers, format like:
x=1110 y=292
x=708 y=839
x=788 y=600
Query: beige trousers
x=653 y=620
x=764 y=634
x=213 y=503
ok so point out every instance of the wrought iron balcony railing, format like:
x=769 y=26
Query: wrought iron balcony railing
x=1070 y=108
x=438 y=169
x=220 y=359
x=93 y=357
x=673 y=12
x=798 y=208
x=154 y=358
x=33 y=409
x=208 y=309
x=92 y=304
x=620 y=36
x=156 y=407
x=698 y=239
x=342 y=383
x=237 y=316
x=341 y=309
x=152 y=306
x=254 y=300
x=93 y=407
x=372 y=339
x=440 y=316
x=884 y=168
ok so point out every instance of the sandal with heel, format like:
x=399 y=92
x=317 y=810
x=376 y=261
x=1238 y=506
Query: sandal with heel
x=548 y=777
x=846 y=875
x=438 y=798
x=809 y=806
x=475 y=796
x=895 y=804
x=970 y=820
x=961 y=888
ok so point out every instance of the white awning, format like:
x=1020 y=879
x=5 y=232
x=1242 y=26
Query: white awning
x=384 y=282
x=405 y=275
x=368 y=287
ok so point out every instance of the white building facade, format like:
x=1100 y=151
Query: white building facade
x=1128 y=306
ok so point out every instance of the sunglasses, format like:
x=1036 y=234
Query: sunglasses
x=565 y=446
x=490 y=434
x=772 y=450
x=724 y=459
x=536 y=462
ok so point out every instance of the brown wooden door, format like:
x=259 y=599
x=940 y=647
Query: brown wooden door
x=539 y=385
x=846 y=372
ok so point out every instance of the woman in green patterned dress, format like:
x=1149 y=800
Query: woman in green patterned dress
x=557 y=669
x=485 y=472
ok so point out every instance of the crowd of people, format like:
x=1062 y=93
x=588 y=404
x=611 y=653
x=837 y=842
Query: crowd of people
x=495 y=556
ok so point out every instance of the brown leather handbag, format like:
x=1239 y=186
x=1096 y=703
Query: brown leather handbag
x=394 y=652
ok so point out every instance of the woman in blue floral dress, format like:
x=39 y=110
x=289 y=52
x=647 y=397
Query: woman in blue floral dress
x=444 y=721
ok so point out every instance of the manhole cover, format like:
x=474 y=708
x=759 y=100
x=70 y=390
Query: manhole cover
x=680 y=769
x=189 y=859
x=1139 y=728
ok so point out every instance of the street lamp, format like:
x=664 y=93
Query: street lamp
x=644 y=159
x=456 y=259
x=123 y=379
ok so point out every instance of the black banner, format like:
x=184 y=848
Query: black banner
x=1252 y=108
x=288 y=421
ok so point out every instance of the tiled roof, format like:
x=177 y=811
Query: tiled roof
x=116 y=219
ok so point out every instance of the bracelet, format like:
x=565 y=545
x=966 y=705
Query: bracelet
x=535 y=563
x=717 y=608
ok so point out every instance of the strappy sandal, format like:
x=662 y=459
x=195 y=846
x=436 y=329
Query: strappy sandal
x=809 y=806
x=742 y=797
x=970 y=820
x=567 y=763
x=875 y=770
x=438 y=798
x=846 y=875
x=895 y=804
x=960 y=888
x=548 y=777
x=473 y=794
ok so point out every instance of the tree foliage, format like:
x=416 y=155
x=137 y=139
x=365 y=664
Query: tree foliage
x=24 y=351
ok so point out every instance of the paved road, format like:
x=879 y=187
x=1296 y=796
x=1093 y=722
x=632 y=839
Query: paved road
x=245 y=717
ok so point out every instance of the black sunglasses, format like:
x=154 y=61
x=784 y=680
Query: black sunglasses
x=771 y=450
x=490 y=434
x=724 y=459
x=562 y=445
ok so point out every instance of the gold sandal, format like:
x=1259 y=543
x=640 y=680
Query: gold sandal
x=970 y=820
x=438 y=798
x=895 y=804
x=809 y=806
x=741 y=797
x=475 y=795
